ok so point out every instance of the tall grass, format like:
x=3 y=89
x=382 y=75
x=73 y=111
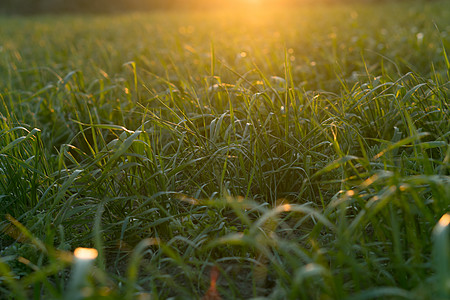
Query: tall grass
x=304 y=157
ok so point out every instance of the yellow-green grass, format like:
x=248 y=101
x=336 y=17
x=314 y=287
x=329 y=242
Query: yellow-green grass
x=303 y=152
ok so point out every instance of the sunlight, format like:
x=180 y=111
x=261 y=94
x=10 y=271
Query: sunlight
x=256 y=3
x=286 y=207
x=86 y=253
x=445 y=220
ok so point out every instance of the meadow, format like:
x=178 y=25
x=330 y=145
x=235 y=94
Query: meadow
x=303 y=153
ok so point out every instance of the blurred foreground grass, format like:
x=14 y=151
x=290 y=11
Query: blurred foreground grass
x=304 y=153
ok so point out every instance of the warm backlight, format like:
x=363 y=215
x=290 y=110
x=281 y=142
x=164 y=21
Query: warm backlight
x=445 y=220
x=86 y=253
x=252 y=2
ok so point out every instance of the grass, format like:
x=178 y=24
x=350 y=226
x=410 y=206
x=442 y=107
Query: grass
x=304 y=153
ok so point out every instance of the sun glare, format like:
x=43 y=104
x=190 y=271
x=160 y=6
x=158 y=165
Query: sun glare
x=445 y=220
x=86 y=253
x=256 y=2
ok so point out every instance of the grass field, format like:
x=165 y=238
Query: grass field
x=304 y=153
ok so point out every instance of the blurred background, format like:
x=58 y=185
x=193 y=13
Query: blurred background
x=116 y=6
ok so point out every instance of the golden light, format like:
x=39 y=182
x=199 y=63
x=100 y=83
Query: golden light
x=86 y=253
x=286 y=207
x=445 y=220
x=253 y=3
x=350 y=193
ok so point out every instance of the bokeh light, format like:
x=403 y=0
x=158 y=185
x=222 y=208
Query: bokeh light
x=86 y=253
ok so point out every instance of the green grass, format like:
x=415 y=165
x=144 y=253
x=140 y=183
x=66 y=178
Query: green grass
x=305 y=153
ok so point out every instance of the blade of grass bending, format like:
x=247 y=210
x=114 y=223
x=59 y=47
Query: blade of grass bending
x=38 y=243
x=444 y=51
x=133 y=267
x=19 y=140
x=401 y=143
x=441 y=256
x=125 y=145
x=335 y=164
x=290 y=208
x=68 y=183
x=309 y=271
